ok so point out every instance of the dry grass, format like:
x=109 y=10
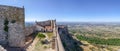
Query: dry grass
x=50 y=35
x=44 y=47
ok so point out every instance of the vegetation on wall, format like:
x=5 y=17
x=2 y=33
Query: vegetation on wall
x=13 y=21
x=6 y=25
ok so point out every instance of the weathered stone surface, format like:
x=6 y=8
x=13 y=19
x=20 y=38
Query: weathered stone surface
x=29 y=30
x=2 y=35
x=15 y=34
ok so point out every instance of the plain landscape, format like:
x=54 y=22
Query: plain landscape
x=94 y=36
x=101 y=36
x=59 y=25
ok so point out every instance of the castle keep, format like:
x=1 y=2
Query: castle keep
x=12 y=26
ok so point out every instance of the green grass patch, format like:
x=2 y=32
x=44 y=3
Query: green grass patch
x=95 y=40
x=40 y=35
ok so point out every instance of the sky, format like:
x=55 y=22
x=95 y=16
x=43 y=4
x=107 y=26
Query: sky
x=69 y=10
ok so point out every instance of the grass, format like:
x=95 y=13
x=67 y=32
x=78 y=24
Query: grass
x=50 y=35
x=95 y=40
x=40 y=35
x=38 y=46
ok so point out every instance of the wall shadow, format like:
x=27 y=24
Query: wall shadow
x=69 y=43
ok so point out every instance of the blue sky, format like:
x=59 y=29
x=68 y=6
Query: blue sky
x=69 y=10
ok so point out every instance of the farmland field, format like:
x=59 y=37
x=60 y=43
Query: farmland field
x=102 y=36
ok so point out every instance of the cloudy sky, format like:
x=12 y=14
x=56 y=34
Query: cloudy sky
x=69 y=10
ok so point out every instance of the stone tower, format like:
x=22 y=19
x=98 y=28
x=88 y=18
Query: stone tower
x=12 y=26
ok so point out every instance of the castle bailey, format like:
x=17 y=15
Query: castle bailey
x=12 y=26
x=14 y=36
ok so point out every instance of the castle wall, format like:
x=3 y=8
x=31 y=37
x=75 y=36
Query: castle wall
x=2 y=32
x=14 y=33
x=46 y=26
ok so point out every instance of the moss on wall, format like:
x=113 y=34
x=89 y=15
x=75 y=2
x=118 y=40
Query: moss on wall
x=6 y=25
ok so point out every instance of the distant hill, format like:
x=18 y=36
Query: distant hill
x=29 y=24
x=88 y=23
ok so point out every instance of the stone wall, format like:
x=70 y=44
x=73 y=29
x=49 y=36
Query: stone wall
x=69 y=43
x=2 y=32
x=12 y=26
x=45 y=26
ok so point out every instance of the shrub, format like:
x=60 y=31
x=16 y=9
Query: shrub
x=40 y=35
x=45 y=47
